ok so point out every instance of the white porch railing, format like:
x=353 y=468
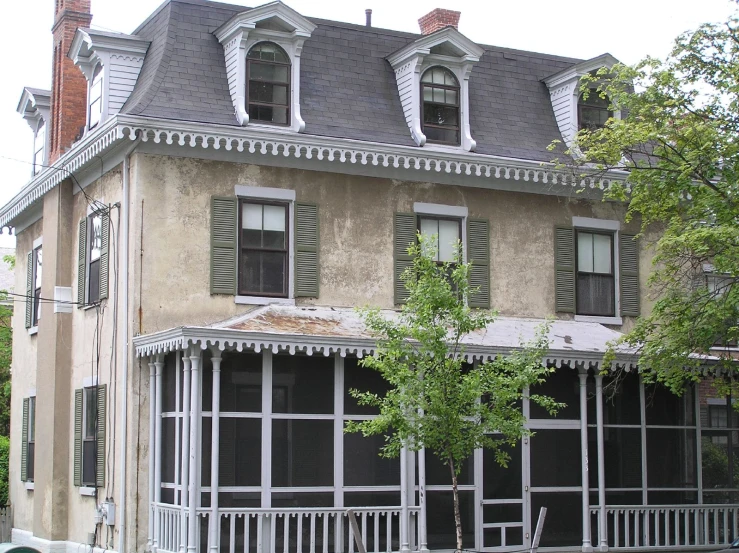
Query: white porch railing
x=299 y=530
x=666 y=526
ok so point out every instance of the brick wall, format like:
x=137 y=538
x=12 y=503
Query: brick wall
x=69 y=86
x=438 y=19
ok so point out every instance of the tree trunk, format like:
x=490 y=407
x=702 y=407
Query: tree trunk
x=457 y=515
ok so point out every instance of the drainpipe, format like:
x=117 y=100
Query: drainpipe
x=124 y=342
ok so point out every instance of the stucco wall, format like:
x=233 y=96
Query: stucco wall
x=356 y=236
x=23 y=379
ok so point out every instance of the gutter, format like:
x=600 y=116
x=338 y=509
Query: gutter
x=124 y=343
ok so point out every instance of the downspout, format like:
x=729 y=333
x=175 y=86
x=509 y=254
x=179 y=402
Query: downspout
x=124 y=342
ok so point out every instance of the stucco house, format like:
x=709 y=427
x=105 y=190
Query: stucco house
x=215 y=193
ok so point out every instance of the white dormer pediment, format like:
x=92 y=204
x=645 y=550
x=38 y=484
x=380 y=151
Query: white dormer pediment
x=448 y=48
x=564 y=90
x=121 y=57
x=273 y=22
x=35 y=107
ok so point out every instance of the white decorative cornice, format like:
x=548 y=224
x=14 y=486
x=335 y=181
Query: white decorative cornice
x=34 y=105
x=273 y=22
x=447 y=48
x=283 y=143
x=564 y=92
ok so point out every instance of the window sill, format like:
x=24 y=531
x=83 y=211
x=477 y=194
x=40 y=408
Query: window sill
x=261 y=300
x=29 y=486
x=87 y=491
x=33 y=331
x=600 y=320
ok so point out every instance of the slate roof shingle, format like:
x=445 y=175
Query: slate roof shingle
x=348 y=89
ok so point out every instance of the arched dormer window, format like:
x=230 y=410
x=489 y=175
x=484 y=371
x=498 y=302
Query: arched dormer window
x=592 y=112
x=96 y=97
x=440 y=94
x=39 y=144
x=268 y=84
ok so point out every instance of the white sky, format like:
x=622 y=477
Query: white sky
x=628 y=29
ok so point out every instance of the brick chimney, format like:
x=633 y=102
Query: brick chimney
x=438 y=19
x=69 y=86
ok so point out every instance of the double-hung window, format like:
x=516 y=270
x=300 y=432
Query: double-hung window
x=39 y=145
x=89 y=435
x=92 y=276
x=596 y=289
x=593 y=112
x=96 y=97
x=268 y=88
x=263 y=264
x=440 y=93
x=95 y=245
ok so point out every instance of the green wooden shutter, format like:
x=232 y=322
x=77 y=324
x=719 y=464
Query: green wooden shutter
x=78 y=437
x=629 y=274
x=307 y=270
x=564 y=269
x=405 y=229
x=100 y=467
x=82 y=263
x=104 y=259
x=223 y=244
x=24 y=441
x=29 y=290
x=478 y=254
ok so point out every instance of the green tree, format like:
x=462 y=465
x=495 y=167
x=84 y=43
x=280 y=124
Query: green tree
x=676 y=141
x=436 y=400
x=6 y=356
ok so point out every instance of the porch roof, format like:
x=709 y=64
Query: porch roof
x=329 y=330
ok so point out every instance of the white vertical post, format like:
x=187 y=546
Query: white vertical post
x=192 y=522
x=404 y=534
x=185 y=451
x=264 y=523
x=152 y=439
x=338 y=451
x=158 y=366
x=215 y=522
x=699 y=444
x=177 y=428
x=603 y=520
x=586 y=543
x=422 y=529
x=643 y=416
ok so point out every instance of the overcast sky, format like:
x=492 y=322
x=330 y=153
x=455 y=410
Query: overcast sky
x=628 y=29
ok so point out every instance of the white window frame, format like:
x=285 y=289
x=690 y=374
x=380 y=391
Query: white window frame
x=37 y=245
x=85 y=392
x=449 y=211
x=39 y=154
x=91 y=213
x=29 y=439
x=274 y=194
x=100 y=78
x=612 y=226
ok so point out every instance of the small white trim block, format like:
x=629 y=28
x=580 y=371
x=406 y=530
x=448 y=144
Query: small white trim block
x=259 y=300
x=599 y=320
x=600 y=224
x=33 y=331
x=62 y=299
x=29 y=486
x=87 y=491
x=441 y=209
x=89 y=381
x=264 y=193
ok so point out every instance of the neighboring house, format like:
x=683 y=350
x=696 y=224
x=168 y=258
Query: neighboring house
x=225 y=186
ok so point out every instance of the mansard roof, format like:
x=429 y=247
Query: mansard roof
x=347 y=86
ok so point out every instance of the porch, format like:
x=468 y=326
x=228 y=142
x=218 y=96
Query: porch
x=255 y=409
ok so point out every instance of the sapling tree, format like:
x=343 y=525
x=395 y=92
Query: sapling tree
x=436 y=398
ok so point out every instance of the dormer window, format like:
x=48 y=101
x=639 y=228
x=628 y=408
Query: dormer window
x=39 y=145
x=96 y=97
x=593 y=112
x=440 y=92
x=268 y=90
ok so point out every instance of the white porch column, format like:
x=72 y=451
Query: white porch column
x=404 y=534
x=158 y=367
x=192 y=522
x=602 y=519
x=586 y=543
x=185 y=451
x=152 y=440
x=215 y=518
x=422 y=529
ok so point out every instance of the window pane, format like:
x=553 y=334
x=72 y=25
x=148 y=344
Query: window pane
x=273 y=272
x=90 y=413
x=96 y=237
x=241 y=383
x=440 y=115
x=602 y=253
x=499 y=482
x=89 y=459
x=250 y=273
x=448 y=239
x=268 y=72
x=251 y=216
x=38 y=268
x=428 y=94
x=302 y=384
x=274 y=220
x=446 y=136
x=169 y=384
x=438 y=474
x=596 y=295
x=168 y=452
x=240 y=452
x=585 y=252
x=622 y=455
x=302 y=453
x=93 y=290
x=372 y=499
x=429 y=228
x=440 y=520
x=438 y=95
x=357 y=377
x=562 y=529
x=31 y=419
x=556 y=458
x=671 y=458
x=665 y=408
x=279 y=95
x=363 y=465
x=564 y=386
x=720 y=454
